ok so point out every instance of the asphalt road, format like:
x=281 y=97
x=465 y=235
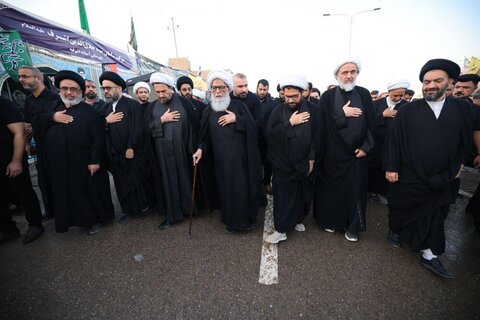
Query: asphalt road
x=214 y=275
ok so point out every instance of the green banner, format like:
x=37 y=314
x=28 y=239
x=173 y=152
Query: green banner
x=13 y=52
x=83 y=16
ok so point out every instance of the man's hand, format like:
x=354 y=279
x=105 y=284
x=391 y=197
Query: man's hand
x=299 y=118
x=310 y=166
x=389 y=113
x=129 y=154
x=351 y=111
x=28 y=130
x=93 y=168
x=114 y=117
x=228 y=118
x=14 y=169
x=62 y=117
x=392 y=177
x=170 y=116
x=197 y=156
x=359 y=153
x=476 y=162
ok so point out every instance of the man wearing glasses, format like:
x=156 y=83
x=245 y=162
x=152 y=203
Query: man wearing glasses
x=126 y=147
x=229 y=131
x=74 y=136
x=36 y=104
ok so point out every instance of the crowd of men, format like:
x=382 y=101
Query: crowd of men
x=321 y=153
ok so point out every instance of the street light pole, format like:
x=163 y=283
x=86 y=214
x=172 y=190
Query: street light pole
x=350 y=19
x=174 y=39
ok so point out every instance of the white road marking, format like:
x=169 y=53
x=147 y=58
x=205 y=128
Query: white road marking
x=269 y=262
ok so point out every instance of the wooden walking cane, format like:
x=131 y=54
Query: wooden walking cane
x=193 y=198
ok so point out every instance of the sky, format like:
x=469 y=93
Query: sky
x=273 y=39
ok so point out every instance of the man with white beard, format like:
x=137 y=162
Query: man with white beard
x=74 y=136
x=229 y=132
x=346 y=127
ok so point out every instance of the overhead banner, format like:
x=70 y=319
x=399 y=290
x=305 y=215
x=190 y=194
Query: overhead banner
x=47 y=35
x=13 y=52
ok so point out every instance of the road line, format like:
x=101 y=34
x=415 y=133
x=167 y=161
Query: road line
x=269 y=262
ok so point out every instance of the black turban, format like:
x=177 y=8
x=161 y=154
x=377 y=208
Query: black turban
x=114 y=77
x=70 y=75
x=183 y=80
x=469 y=77
x=450 y=67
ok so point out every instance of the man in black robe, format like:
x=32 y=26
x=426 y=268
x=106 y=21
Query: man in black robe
x=289 y=134
x=35 y=105
x=126 y=147
x=141 y=90
x=229 y=132
x=429 y=141
x=267 y=105
x=385 y=109
x=168 y=123
x=74 y=138
x=204 y=184
x=240 y=92
x=15 y=176
x=346 y=129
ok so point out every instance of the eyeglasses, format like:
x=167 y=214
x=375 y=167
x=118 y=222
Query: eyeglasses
x=108 y=88
x=72 y=89
x=293 y=98
x=219 y=88
x=24 y=76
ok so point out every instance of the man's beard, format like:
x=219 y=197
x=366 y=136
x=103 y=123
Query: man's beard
x=91 y=95
x=459 y=95
x=347 y=86
x=434 y=95
x=115 y=97
x=220 y=104
x=70 y=102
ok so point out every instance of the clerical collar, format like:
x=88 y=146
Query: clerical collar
x=114 y=105
x=390 y=103
x=436 y=106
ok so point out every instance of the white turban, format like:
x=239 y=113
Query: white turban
x=353 y=60
x=158 y=77
x=222 y=75
x=139 y=85
x=198 y=93
x=295 y=81
x=398 y=84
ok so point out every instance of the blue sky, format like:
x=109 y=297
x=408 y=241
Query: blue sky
x=269 y=39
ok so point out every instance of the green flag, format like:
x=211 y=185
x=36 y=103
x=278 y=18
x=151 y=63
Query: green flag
x=83 y=17
x=13 y=52
x=133 y=37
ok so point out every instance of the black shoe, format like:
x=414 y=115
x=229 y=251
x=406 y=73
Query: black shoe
x=5 y=237
x=394 y=239
x=249 y=228
x=33 y=233
x=228 y=231
x=436 y=266
x=124 y=219
x=96 y=228
x=164 y=225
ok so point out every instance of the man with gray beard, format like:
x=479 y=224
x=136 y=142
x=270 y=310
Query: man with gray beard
x=229 y=132
x=74 y=136
x=345 y=131
x=429 y=142
x=126 y=147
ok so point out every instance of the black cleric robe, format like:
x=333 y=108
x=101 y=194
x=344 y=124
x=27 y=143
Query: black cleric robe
x=341 y=185
x=252 y=101
x=170 y=149
x=129 y=175
x=237 y=164
x=376 y=173
x=77 y=197
x=290 y=149
x=427 y=153
x=34 y=108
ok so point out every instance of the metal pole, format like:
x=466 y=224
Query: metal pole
x=175 y=40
